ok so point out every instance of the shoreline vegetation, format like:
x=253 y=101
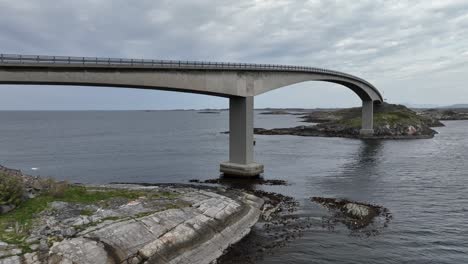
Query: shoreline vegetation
x=390 y=122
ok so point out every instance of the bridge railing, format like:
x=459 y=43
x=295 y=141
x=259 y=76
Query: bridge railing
x=96 y=61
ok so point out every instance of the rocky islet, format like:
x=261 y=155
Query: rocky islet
x=390 y=122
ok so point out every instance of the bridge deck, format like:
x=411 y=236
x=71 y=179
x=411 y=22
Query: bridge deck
x=69 y=61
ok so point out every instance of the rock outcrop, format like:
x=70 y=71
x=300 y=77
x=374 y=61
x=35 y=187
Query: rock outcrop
x=445 y=114
x=390 y=122
x=355 y=215
x=191 y=225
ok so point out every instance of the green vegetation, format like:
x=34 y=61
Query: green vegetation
x=385 y=114
x=52 y=187
x=87 y=212
x=11 y=189
x=15 y=225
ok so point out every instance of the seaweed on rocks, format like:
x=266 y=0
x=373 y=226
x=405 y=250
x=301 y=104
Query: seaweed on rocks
x=279 y=225
x=228 y=180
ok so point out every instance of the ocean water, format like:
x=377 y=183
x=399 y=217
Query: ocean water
x=423 y=183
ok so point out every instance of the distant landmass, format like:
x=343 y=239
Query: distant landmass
x=422 y=106
x=456 y=106
x=428 y=106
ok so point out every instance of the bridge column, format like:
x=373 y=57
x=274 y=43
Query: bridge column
x=241 y=140
x=367 y=128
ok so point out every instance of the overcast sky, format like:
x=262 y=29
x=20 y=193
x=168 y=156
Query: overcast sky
x=412 y=51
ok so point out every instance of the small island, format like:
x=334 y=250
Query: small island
x=390 y=122
x=209 y=112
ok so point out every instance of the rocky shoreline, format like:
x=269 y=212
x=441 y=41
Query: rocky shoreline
x=346 y=132
x=165 y=223
x=128 y=223
x=444 y=114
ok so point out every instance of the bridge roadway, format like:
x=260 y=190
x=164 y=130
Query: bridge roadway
x=240 y=82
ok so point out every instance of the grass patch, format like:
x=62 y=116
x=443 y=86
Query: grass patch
x=164 y=195
x=87 y=212
x=385 y=114
x=16 y=225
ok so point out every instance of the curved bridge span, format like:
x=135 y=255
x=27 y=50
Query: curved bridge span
x=240 y=82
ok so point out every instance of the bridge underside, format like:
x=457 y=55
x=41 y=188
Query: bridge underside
x=239 y=85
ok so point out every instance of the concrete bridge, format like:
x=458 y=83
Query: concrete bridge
x=240 y=82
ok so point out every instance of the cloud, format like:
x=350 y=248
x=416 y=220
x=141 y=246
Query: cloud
x=380 y=40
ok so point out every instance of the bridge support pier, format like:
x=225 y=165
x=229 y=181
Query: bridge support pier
x=241 y=140
x=367 y=128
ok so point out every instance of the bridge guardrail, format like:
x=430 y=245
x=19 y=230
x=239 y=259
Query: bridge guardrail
x=69 y=60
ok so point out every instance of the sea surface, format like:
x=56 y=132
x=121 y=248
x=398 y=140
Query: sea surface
x=423 y=183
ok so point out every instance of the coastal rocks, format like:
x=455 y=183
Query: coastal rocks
x=6 y=208
x=358 y=211
x=241 y=183
x=336 y=130
x=11 y=260
x=8 y=254
x=9 y=251
x=79 y=250
x=366 y=218
x=277 y=112
x=445 y=114
x=171 y=224
x=390 y=122
x=431 y=121
x=281 y=224
x=209 y=112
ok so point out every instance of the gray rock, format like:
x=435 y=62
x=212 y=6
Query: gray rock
x=172 y=246
x=9 y=252
x=43 y=246
x=357 y=210
x=80 y=221
x=6 y=208
x=135 y=260
x=68 y=232
x=11 y=260
x=58 y=205
x=15 y=251
x=32 y=240
x=31 y=258
x=79 y=250
x=34 y=247
x=124 y=237
x=207 y=223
